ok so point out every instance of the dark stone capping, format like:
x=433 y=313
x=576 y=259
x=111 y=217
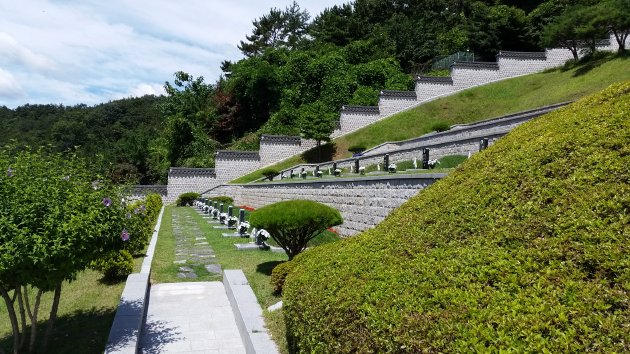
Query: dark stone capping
x=523 y=55
x=190 y=172
x=281 y=139
x=146 y=189
x=350 y=180
x=361 y=109
x=399 y=94
x=443 y=80
x=480 y=65
x=237 y=155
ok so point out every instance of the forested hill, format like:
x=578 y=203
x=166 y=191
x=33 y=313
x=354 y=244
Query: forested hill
x=121 y=131
x=298 y=69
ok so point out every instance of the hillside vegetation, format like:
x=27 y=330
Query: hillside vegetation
x=509 y=96
x=523 y=248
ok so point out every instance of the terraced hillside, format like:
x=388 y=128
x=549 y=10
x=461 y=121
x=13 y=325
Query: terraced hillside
x=492 y=100
x=524 y=248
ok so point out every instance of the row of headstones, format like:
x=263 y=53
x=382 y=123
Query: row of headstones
x=215 y=210
x=427 y=163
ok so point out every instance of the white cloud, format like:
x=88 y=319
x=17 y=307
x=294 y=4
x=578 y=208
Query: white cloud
x=10 y=88
x=71 y=52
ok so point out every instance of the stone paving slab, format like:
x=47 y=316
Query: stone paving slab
x=190 y=318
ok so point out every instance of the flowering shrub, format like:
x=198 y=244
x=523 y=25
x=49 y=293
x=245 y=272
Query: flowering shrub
x=337 y=172
x=223 y=218
x=231 y=221
x=362 y=170
x=391 y=168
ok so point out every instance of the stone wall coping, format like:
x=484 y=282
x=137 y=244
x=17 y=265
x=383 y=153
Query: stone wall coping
x=381 y=178
x=188 y=172
x=394 y=94
x=444 y=80
x=483 y=65
x=280 y=139
x=522 y=55
x=145 y=189
x=248 y=313
x=239 y=155
x=361 y=109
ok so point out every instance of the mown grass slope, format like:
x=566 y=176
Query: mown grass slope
x=524 y=248
x=509 y=96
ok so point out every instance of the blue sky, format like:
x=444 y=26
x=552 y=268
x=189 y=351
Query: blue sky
x=92 y=51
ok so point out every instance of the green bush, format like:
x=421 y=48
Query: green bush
x=223 y=199
x=187 y=199
x=355 y=149
x=440 y=126
x=153 y=203
x=279 y=274
x=293 y=223
x=270 y=173
x=524 y=248
x=116 y=265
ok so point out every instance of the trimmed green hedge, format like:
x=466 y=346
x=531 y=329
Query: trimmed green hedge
x=187 y=199
x=293 y=223
x=524 y=248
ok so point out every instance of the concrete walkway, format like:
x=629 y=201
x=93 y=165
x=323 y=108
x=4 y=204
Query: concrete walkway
x=190 y=318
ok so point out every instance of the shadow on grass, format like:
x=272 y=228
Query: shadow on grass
x=586 y=64
x=83 y=331
x=267 y=267
x=325 y=153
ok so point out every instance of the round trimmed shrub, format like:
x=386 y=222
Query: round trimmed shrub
x=524 y=248
x=279 y=274
x=293 y=223
x=187 y=199
x=223 y=199
x=440 y=127
x=116 y=265
x=270 y=173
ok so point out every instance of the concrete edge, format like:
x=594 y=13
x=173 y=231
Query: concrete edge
x=124 y=335
x=248 y=313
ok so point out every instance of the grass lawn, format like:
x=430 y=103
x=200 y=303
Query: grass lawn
x=488 y=101
x=86 y=312
x=257 y=265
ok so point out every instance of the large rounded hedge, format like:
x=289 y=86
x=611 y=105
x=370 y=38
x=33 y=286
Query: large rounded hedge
x=524 y=248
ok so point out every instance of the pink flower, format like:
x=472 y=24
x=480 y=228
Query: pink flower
x=107 y=202
x=10 y=172
x=124 y=235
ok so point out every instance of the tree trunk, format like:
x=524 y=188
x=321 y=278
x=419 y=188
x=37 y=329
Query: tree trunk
x=31 y=344
x=574 y=51
x=18 y=292
x=51 y=320
x=13 y=318
x=319 y=151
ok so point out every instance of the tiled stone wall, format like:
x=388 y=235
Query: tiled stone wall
x=230 y=165
x=355 y=117
x=184 y=180
x=363 y=203
x=391 y=102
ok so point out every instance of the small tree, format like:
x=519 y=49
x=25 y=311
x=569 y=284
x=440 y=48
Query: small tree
x=56 y=217
x=574 y=29
x=316 y=123
x=293 y=223
x=613 y=15
x=270 y=173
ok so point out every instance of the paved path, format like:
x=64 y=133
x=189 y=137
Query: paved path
x=190 y=318
x=193 y=254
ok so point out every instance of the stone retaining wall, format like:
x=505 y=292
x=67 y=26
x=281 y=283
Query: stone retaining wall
x=363 y=202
